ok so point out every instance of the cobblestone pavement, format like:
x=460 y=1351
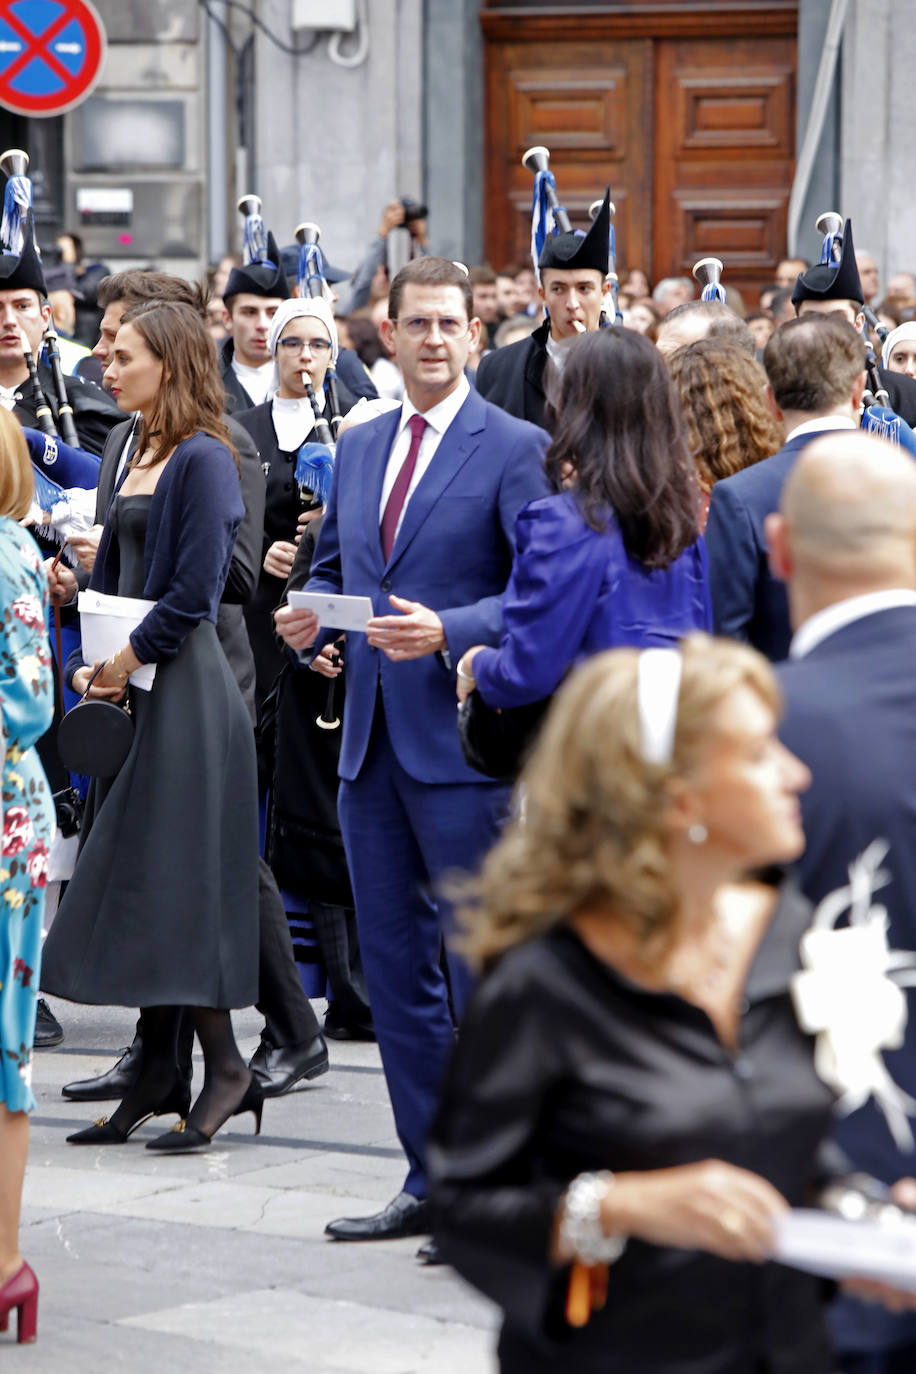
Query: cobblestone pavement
x=216 y=1262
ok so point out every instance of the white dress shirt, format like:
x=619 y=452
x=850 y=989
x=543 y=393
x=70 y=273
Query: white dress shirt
x=823 y=424
x=255 y=380
x=294 y=421
x=827 y=622
x=437 y=420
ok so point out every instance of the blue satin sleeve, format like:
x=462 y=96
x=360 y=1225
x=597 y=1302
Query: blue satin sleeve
x=549 y=602
x=574 y=592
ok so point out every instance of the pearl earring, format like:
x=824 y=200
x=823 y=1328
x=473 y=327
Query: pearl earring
x=698 y=834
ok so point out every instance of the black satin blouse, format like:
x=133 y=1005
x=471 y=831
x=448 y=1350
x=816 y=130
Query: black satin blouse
x=564 y=1065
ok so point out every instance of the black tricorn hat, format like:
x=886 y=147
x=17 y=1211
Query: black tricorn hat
x=17 y=273
x=260 y=278
x=570 y=252
x=289 y=259
x=832 y=281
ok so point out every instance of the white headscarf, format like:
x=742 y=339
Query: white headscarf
x=295 y=309
x=896 y=336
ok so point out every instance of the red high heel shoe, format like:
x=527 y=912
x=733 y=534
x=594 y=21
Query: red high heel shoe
x=21 y=1292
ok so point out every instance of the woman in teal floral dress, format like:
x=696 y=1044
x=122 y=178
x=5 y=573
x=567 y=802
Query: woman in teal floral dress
x=26 y=704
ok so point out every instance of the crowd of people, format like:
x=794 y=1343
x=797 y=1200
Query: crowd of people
x=667 y=556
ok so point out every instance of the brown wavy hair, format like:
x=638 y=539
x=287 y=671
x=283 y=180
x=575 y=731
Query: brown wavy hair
x=730 y=425
x=191 y=395
x=621 y=431
x=594 y=832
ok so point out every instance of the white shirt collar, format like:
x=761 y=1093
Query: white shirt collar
x=293 y=420
x=441 y=415
x=827 y=622
x=821 y=424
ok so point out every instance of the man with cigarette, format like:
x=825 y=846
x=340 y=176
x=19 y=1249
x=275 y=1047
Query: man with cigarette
x=574 y=288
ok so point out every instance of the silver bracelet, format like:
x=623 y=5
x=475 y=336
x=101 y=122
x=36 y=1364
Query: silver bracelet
x=581 y=1232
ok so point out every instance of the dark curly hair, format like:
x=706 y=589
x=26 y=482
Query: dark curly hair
x=621 y=444
x=730 y=426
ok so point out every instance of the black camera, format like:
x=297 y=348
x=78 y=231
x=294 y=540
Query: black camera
x=68 y=804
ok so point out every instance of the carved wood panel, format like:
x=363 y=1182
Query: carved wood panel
x=725 y=133
x=694 y=134
x=584 y=103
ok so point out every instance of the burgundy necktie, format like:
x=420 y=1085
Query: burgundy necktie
x=395 y=503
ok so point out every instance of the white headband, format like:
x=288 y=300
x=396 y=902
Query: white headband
x=903 y=331
x=310 y=307
x=658 y=688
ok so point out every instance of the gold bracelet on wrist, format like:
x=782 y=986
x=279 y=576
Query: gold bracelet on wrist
x=119 y=669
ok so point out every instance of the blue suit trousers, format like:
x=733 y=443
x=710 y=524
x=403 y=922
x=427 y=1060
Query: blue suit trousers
x=402 y=839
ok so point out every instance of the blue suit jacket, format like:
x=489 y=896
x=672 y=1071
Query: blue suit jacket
x=747 y=601
x=453 y=554
x=851 y=716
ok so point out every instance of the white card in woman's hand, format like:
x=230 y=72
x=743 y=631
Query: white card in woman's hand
x=105 y=625
x=336 y=612
x=822 y=1243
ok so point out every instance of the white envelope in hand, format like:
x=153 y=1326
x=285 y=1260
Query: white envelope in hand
x=822 y=1243
x=106 y=623
x=351 y=613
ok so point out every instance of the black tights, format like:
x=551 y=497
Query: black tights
x=226 y=1075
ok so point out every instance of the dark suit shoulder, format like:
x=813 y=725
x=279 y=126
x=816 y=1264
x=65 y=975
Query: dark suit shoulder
x=242 y=438
x=505 y=368
x=503 y=421
x=762 y=481
x=868 y=647
x=253 y=417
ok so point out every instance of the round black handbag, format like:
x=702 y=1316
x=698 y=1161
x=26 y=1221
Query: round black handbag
x=95 y=736
x=496 y=743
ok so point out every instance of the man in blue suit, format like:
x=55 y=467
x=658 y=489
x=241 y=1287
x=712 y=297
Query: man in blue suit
x=421 y=519
x=846 y=544
x=816 y=372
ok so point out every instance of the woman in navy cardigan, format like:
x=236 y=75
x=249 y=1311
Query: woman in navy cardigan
x=615 y=557
x=162 y=910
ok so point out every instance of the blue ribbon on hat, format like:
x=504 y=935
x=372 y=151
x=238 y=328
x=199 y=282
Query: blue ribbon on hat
x=254 y=243
x=713 y=291
x=17 y=202
x=543 y=217
x=310 y=268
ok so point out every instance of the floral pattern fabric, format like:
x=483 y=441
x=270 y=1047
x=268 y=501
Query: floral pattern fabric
x=27 y=705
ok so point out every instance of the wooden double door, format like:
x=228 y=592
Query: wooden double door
x=689 y=117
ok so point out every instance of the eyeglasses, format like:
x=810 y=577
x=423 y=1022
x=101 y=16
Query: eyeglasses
x=418 y=326
x=319 y=348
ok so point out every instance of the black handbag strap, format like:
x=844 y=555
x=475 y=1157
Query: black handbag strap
x=60 y=661
x=95 y=674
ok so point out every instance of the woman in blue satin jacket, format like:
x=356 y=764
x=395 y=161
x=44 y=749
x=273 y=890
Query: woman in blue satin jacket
x=615 y=556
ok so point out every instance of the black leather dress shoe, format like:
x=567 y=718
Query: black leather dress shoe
x=404 y=1216
x=339 y=1028
x=111 y=1086
x=48 y=1030
x=280 y=1067
x=428 y=1253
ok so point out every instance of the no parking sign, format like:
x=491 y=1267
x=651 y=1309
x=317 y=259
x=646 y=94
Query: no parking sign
x=51 y=54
